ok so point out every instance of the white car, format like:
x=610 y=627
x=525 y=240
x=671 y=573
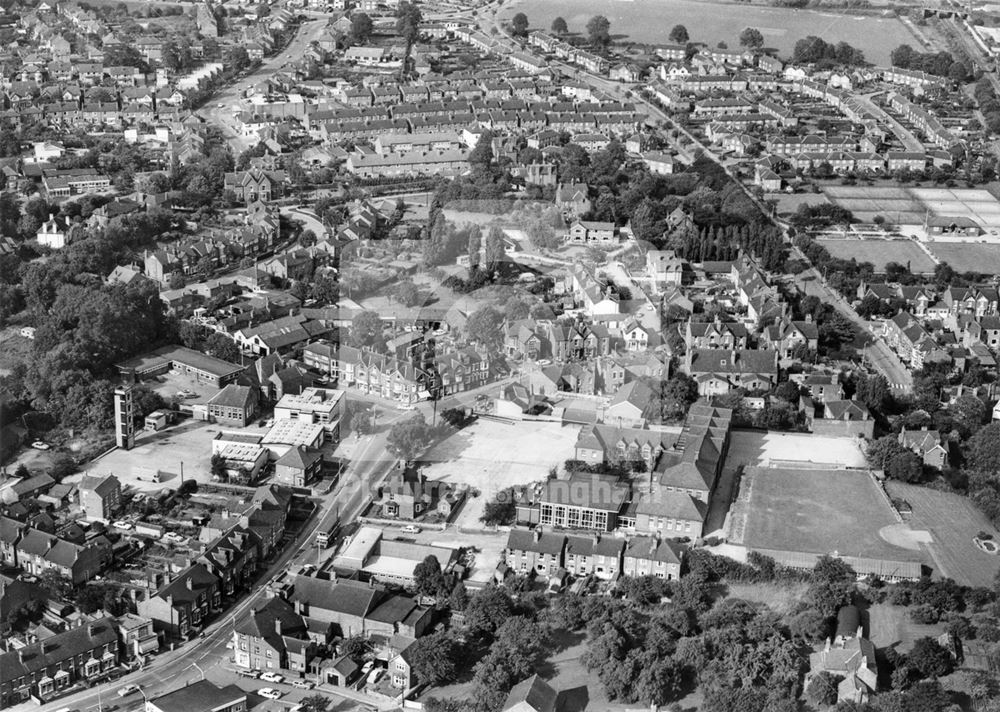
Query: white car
x=123 y=525
x=407 y=406
x=303 y=684
x=39 y=445
x=411 y=529
x=269 y=692
x=128 y=690
x=271 y=677
x=174 y=536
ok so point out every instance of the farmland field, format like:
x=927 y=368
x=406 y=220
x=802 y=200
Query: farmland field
x=968 y=256
x=651 y=20
x=880 y=252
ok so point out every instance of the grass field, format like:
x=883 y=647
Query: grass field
x=651 y=20
x=890 y=626
x=881 y=252
x=968 y=256
x=819 y=512
x=780 y=598
x=952 y=521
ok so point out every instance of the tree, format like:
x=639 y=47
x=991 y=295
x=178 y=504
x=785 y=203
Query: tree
x=475 y=244
x=427 y=576
x=519 y=24
x=408 y=20
x=830 y=585
x=361 y=28
x=459 y=597
x=930 y=658
x=485 y=326
x=559 y=26
x=218 y=468
x=366 y=331
x=434 y=658
x=905 y=466
x=499 y=511
x=599 y=31
x=822 y=690
x=970 y=413
x=488 y=608
x=493 y=252
x=406 y=440
x=751 y=37
x=315 y=702
x=679 y=34
x=882 y=450
x=984 y=449
x=55 y=584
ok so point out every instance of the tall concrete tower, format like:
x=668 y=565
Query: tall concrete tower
x=124 y=417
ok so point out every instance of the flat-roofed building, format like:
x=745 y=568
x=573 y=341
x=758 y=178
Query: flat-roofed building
x=200 y=696
x=313 y=405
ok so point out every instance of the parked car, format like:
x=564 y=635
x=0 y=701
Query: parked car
x=174 y=536
x=411 y=529
x=303 y=684
x=366 y=668
x=123 y=525
x=272 y=677
x=127 y=690
x=39 y=445
x=269 y=692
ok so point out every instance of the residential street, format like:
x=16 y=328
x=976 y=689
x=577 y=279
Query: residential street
x=221 y=107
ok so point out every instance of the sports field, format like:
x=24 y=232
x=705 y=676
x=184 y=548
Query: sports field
x=881 y=252
x=820 y=512
x=910 y=206
x=968 y=256
x=953 y=522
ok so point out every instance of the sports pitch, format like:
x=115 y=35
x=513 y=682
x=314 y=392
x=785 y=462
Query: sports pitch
x=821 y=512
x=881 y=252
x=910 y=206
x=968 y=256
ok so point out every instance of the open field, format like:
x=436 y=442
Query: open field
x=750 y=447
x=968 y=256
x=890 y=626
x=651 y=20
x=780 y=598
x=788 y=203
x=910 y=206
x=492 y=456
x=952 y=521
x=881 y=252
x=821 y=512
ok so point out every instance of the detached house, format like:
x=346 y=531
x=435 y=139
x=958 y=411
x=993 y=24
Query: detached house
x=785 y=336
x=719 y=371
x=927 y=445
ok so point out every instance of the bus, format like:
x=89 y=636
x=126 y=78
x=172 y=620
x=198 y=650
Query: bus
x=328 y=528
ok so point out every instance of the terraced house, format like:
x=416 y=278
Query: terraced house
x=381 y=375
x=44 y=668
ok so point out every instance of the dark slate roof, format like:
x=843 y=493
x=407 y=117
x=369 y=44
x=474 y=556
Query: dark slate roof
x=53 y=651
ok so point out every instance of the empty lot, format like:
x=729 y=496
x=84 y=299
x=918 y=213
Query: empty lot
x=492 y=456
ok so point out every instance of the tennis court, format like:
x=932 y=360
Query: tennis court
x=911 y=206
x=968 y=256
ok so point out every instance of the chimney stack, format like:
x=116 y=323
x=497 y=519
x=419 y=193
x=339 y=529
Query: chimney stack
x=277 y=626
x=189 y=583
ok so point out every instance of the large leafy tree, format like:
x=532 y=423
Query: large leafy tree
x=599 y=31
x=406 y=440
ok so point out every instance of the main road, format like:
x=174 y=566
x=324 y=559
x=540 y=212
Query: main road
x=221 y=108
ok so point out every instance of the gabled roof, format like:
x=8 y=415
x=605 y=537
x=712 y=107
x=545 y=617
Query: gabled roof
x=532 y=695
